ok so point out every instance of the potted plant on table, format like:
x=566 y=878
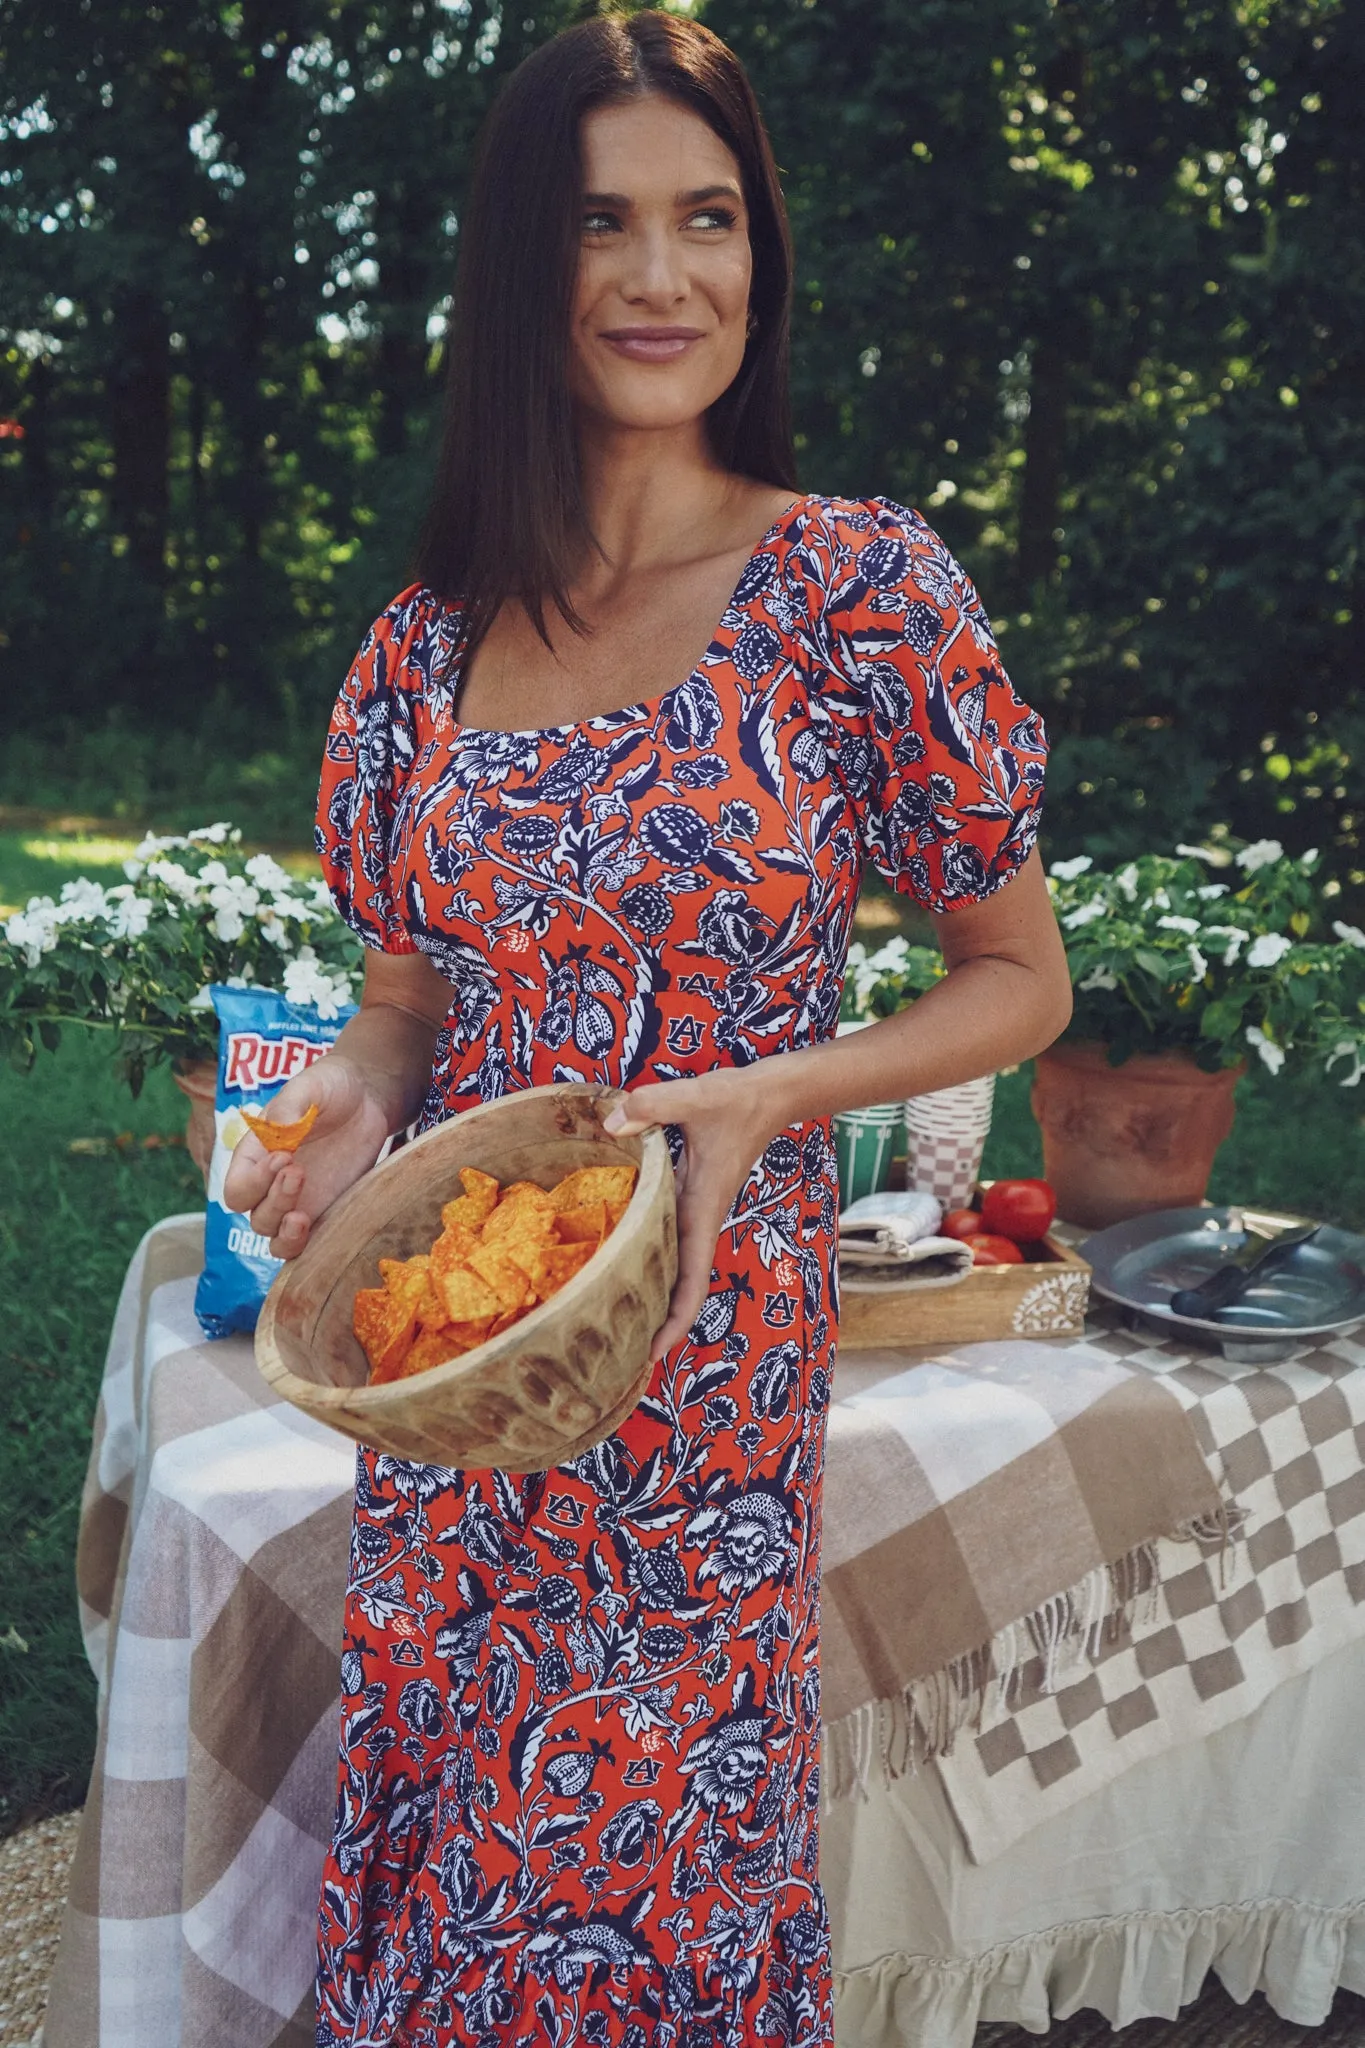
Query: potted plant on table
x=1184 y=967
x=945 y=1130
x=137 y=960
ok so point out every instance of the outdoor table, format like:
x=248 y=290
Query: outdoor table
x=1024 y=1876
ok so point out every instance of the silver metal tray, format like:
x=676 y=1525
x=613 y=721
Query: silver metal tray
x=1315 y=1290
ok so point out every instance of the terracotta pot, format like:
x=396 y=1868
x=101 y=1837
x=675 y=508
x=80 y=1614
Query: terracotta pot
x=1119 y=1141
x=198 y=1080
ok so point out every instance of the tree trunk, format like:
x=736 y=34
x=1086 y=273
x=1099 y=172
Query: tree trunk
x=1044 y=444
x=138 y=391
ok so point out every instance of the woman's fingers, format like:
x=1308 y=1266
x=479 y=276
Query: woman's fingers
x=291 y=1237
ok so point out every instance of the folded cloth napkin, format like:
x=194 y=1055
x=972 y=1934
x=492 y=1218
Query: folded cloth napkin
x=891 y=1237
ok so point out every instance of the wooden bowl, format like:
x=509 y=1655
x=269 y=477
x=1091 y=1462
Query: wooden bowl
x=555 y=1383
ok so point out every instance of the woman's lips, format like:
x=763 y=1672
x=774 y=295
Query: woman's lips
x=652 y=344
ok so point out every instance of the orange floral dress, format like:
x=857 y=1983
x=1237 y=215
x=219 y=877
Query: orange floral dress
x=579 y=1786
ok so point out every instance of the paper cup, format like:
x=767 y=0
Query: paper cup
x=865 y=1141
x=945 y=1136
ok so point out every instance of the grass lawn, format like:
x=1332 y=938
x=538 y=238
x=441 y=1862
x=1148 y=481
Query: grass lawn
x=69 y=1221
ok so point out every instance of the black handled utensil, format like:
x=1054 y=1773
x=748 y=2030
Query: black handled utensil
x=1263 y=1238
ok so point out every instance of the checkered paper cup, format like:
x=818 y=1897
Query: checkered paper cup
x=865 y=1142
x=945 y=1135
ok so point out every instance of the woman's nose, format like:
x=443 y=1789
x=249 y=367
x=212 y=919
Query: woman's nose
x=655 y=271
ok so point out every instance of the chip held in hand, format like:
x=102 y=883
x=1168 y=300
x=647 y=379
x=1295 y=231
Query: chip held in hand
x=501 y=1252
x=282 y=1137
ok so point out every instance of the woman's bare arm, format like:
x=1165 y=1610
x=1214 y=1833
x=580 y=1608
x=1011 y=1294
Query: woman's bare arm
x=1006 y=995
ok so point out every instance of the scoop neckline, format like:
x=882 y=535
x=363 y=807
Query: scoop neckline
x=654 y=705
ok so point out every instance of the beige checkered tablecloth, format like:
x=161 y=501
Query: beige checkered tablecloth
x=1220 y=1631
x=211 y=1570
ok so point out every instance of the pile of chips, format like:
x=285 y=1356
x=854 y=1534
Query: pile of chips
x=501 y=1252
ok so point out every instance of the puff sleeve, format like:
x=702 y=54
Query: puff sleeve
x=941 y=761
x=372 y=743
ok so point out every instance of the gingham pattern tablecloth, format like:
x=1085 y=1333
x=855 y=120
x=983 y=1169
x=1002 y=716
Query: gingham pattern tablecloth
x=211 y=1570
x=211 y=1573
x=1222 y=1629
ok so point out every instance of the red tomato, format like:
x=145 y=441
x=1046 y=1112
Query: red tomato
x=995 y=1251
x=963 y=1223
x=1021 y=1209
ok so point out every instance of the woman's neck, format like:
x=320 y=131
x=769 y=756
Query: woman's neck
x=643 y=490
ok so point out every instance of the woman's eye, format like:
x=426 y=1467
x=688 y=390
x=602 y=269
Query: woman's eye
x=599 y=223
x=713 y=217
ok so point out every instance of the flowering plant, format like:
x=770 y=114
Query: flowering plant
x=878 y=984
x=137 y=959
x=1217 y=952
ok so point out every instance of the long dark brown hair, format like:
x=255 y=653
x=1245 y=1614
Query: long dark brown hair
x=506 y=516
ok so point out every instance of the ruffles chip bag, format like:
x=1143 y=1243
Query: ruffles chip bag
x=264 y=1040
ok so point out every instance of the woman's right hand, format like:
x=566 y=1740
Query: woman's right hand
x=286 y=1192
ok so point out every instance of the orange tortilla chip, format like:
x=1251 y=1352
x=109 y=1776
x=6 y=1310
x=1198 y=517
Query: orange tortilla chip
x=588 y=1225
x=405 y=1276
x=282 y=1137
x=372 y=1320
x=609 y=1184
x=432 y=1313
x=525 y=1211
x=467 y=1297
x=557 y=1264
x=478 y=1201
x=505 y=1276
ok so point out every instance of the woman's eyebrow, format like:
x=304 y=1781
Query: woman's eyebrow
x=621 y=202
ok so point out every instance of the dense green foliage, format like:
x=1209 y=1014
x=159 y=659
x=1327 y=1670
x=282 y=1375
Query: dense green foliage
x=1087 y=284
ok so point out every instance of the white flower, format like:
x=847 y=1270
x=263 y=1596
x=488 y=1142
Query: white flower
x=320 y=897
x=177 y=879
x=33 y=929
x=1262 y=853
x=1266 y=1047
x=216 y=835
x=307 y=981
x=1199 y=966
x=1188 y=925
x=1067 y=870
x=1126 y=881
x=1236 y=937
x=83 y=898
x=213 y=871
x=1200 y=853
x=228 y=924
x=275 y=931
x=1306 y=860
x=130 y=916
x=1347 y=1049
x=202 y=999
x=1084 y=913
x=1210 y=890
x=1269 y=949
x=267 y=873
x=1098 y=977
x=890 y=958
x=1352 y=933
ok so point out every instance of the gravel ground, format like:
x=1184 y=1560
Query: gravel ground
x=33 y=1876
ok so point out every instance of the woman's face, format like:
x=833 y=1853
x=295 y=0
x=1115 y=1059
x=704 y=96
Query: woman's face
x=662 y=299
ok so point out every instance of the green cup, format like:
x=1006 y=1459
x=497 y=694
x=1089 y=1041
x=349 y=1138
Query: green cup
x=865 y=1142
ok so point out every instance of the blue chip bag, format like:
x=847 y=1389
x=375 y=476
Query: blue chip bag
x=263 y=1041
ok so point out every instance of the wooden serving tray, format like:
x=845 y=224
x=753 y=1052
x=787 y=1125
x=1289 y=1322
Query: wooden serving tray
x=1046 y=1296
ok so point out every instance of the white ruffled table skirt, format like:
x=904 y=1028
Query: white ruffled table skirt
x=1243 y=1854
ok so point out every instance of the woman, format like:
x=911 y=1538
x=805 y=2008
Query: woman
x=579 y=1787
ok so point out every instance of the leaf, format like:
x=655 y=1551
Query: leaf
x=525 y=1747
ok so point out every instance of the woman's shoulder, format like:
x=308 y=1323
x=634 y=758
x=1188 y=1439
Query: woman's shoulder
x=406 y=649
x=875 y=544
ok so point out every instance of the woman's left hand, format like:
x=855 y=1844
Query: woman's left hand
x=726 y=1119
